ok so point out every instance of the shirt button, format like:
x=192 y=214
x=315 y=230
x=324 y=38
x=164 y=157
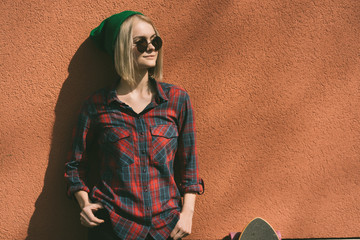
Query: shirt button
x=146 y=189
x=143 y=151
x=144 y=170
x=141 y=133
x=148 y=208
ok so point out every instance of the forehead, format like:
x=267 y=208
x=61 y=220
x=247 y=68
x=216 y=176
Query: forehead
x=142 y=28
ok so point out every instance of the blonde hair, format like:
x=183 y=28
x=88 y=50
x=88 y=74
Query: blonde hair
x=123 y=54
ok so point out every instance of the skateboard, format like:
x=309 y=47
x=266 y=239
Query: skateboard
x=259 y=229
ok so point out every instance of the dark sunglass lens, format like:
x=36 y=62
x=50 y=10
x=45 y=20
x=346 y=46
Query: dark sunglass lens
x=157 y=43
x=142 y=45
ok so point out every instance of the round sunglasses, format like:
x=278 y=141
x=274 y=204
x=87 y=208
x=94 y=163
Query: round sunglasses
x=142 y=44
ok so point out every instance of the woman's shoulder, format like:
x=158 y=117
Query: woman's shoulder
x=97 y=99
x=99 y=96
x=94 y=102
x=171 y=89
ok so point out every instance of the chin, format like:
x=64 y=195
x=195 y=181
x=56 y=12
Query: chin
x=147 y=65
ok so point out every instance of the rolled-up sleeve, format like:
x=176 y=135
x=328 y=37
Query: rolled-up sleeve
x=187 y=159
x=76 y=162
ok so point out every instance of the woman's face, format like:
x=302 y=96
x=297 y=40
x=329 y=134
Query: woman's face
x=147 y=59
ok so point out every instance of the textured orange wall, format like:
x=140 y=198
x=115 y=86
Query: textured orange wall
x=275 y=86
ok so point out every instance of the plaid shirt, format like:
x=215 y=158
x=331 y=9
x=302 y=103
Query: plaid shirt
x=138 y=153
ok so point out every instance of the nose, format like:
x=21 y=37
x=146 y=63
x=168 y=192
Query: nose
x=150 y=47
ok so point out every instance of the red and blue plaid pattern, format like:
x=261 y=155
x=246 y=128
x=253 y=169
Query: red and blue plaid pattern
x=138 y=153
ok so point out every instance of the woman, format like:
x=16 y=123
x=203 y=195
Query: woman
x=142 y=128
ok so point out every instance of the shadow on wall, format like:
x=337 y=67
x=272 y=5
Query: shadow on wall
x=55 y=216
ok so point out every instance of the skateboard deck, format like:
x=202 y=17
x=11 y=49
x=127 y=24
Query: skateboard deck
x=258 y=229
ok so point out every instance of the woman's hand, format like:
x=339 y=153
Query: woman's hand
x=183 y=226
x=87 y=217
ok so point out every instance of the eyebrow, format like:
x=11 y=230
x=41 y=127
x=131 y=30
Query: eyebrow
x=137 y=37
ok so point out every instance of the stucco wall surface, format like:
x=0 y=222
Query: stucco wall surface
x=275 y=87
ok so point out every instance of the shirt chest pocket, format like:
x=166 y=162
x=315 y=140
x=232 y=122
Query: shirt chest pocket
x=118 y=145
x=164 y=143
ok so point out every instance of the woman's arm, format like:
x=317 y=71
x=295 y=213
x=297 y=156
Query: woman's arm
x=189 y=203
x=87 y=217
x=184 y=225
x=76 y=167
x=186 y=159
x=83 y=198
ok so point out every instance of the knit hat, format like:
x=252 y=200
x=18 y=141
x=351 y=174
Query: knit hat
x=106 y=33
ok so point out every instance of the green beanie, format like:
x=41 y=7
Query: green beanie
x=106 y=33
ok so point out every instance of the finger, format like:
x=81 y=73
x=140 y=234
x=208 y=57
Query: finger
x=89 y=224
x=178 y=235
x=98 y=205
x=181 y=234
x=91 y=217
x=174 y=231
x=86 y=222
x=90 y=221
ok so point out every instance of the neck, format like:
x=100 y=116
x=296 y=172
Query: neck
x=141 y=84
x=141 y=80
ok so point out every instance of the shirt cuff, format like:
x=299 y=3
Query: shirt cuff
x=198 y=188
x=73 y=189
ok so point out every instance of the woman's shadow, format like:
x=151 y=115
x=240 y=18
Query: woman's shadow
x=56 y=216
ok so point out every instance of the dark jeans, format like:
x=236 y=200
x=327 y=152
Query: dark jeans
x=104 y=231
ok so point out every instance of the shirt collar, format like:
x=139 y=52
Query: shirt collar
x=160 y=94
